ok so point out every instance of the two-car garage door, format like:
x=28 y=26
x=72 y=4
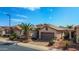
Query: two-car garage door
x=46 y=36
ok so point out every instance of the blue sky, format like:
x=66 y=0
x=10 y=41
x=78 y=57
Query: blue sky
x=39 y=15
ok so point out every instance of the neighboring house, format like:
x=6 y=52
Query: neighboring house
x=18 y=30
x=4 y=31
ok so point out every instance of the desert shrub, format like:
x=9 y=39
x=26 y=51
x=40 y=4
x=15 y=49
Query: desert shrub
x=13 y=36
x=51 y=42
x=78 y=39
x=67 y=43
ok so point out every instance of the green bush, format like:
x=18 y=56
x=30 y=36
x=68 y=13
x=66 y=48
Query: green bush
x=13 y=36
x=51 y=42
x=66 y=43
x=77 y=39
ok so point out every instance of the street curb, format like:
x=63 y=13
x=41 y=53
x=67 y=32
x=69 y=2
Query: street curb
x=40 y=48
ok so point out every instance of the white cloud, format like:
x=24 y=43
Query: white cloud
x=32 y=8
x=18 y=20
x=21 y=16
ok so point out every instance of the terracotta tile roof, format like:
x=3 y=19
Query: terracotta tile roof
x=52 y=26
x=77 y=26
x=18 y=27
x=56 y=27
x=4 y=27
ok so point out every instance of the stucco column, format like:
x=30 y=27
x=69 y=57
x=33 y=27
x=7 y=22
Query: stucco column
x=77 y=37
x=62 y=35
x=70 y=35
x=39 y=35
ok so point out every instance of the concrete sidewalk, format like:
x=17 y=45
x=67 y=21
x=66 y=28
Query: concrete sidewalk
x=37 y=47
x=3 y=39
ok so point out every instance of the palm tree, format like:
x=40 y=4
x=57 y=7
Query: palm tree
x=26 y=28
x=69 y=26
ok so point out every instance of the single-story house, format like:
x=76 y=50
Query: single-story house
x=4 y=31
x=48 y=31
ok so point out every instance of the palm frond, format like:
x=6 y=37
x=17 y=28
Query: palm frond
x=25 y=26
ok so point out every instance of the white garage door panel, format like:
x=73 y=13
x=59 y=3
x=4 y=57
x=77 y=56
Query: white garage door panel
x=46 y=36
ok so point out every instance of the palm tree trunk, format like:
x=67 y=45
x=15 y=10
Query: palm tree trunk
x=27 y=36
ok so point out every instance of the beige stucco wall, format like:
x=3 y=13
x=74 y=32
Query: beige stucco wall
x=56 y=33
x=3 y=33
x=77 y=34
x=77 y=31
x=33 y=34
